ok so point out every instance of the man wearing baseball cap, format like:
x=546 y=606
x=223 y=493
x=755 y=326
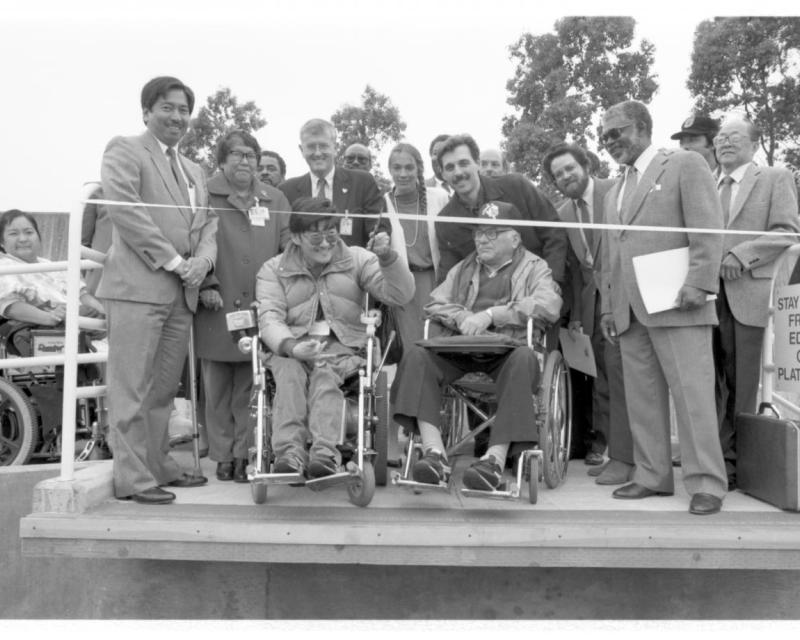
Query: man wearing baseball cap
x=697 y=134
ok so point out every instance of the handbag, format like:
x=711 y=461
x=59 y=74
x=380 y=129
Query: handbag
x=388 y=324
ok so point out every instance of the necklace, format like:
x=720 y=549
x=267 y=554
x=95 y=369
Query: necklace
x=416 y=218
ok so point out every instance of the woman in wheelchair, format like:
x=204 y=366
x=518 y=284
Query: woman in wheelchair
x=310 y=304
x=493 y=290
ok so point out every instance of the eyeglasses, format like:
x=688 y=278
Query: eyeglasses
x=615 y=133
x=357 y=159
x=489 y=234
x=734 y=138
x=238 y=155
x=315 y=237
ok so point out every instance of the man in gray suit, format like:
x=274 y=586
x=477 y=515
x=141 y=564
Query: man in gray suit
x=753 y=198
x=162 y=247
x=668 y=351
x=569 y=168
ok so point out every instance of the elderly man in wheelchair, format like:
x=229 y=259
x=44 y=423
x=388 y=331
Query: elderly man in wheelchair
x=492 y=293
x=310 y=308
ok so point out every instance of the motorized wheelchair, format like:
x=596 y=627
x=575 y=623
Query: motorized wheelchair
x=31 y=399
x=471 y=399
x=363 y=440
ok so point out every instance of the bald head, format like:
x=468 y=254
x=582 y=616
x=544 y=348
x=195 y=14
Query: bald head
x=493 y=163
x=357 y=156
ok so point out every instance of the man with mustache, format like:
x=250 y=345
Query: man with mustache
x=459 y=158
x=668 y=351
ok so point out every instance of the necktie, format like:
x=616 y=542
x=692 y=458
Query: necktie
x=321 y=188
x=176 y=172
x=631 y=181
x=584 y=217
x=725 y=198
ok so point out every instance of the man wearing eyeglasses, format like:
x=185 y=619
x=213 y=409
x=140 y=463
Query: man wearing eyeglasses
x=350 y=191
x=668 y=351
x=495 y=289
x=311 y=298
x=357 y=156
x=753 y=198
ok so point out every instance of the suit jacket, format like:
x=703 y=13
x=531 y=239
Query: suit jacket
x=455 y=239
x=144 y=239
x=584 y=273
x=676 y=190
x=96 y=230
x=766 y=200
x=354 y=191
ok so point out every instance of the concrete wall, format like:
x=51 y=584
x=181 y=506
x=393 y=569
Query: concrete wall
x=101 y=589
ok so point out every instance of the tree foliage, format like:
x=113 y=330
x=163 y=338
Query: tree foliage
x=751 y=64
x=221 y=113
x=373 y=123
x=565 y=79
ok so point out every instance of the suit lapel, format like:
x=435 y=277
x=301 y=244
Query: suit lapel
x=165 y=171
x=745 y=187
x=646 y=184
x=341 y=187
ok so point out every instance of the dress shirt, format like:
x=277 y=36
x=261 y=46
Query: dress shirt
x=641 y=164
x=737 y=174
x=328 y=185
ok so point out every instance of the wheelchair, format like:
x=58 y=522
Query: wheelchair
x=363 y=440
x=472 y=395
x=31 y=400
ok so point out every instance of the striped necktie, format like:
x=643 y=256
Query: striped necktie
x=176 y=172
x=725 y=197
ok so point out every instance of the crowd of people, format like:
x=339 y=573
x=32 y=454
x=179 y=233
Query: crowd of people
x=473 y=248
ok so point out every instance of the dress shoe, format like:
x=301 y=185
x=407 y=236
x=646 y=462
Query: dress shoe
x=676 y=461
x=596 y=471
x=593 y=459
x=321 y=467
x=240 y=470
x=615 y=472
x=635 y=491
x=225 y=471
x=153 y=495
x=188 y=481
x=704 y=504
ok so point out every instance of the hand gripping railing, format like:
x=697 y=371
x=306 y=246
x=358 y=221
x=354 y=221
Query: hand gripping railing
x=70 y=358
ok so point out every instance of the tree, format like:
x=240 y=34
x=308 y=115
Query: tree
x=374 y=123
x=221 y=113
x=751 y=64
x=563 y=81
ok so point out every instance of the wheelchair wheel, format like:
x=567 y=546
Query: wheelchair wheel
x=258 y=490
x=555 y=429
x=380 y=439
x=19 y=425
x=361 y=492
x=452 y=414
x=533 y=479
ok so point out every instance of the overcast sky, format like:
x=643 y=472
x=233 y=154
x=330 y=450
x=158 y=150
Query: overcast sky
x=72 y=71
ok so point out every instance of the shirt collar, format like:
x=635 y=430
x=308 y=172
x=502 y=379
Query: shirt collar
x=737 y=174
x=645 y=158
x=588 y=194
x=328 y=178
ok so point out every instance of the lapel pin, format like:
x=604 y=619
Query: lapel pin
x=344 y=189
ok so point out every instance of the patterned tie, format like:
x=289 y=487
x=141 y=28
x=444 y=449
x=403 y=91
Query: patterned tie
x=631 y=181
x=321 y=188
x=725 y=198
x=584 y=217
x=176 y=172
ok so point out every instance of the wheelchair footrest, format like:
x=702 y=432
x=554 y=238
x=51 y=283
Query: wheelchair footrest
x=294 y=479
x=397 y=479
x=512 y=494
x=343 y=477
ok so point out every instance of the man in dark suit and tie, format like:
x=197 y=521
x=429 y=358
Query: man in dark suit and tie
x=162 y=247
x=569 y=168
x=350 y=190
x=758 y=199
x=670 y=350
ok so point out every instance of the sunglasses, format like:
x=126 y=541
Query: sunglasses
x=357 y=159
x=615 y=133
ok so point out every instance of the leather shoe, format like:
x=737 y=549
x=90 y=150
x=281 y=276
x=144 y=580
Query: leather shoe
x=225 y=471
x=188 y=481
x=704 y=504
x=153 y=495
x=240 y=470
x=593 y=459
x=615 y=472
x=635 y=491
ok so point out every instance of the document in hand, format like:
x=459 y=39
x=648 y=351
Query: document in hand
x=578 y=352
x=660 y=277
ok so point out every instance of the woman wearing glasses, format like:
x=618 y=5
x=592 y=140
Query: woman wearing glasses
x=253 y=226
x=414 y=237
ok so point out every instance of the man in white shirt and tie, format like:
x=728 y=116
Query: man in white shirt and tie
x=569 y=167
x=753 y=198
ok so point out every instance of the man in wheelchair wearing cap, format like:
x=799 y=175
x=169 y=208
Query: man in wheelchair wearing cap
x=495 y=289
x=311 y=298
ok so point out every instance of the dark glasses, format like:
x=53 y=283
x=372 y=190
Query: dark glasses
x=615 y=133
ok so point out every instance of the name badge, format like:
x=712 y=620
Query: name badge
x=319 y=328
x=346 y=225
x=258 y=216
